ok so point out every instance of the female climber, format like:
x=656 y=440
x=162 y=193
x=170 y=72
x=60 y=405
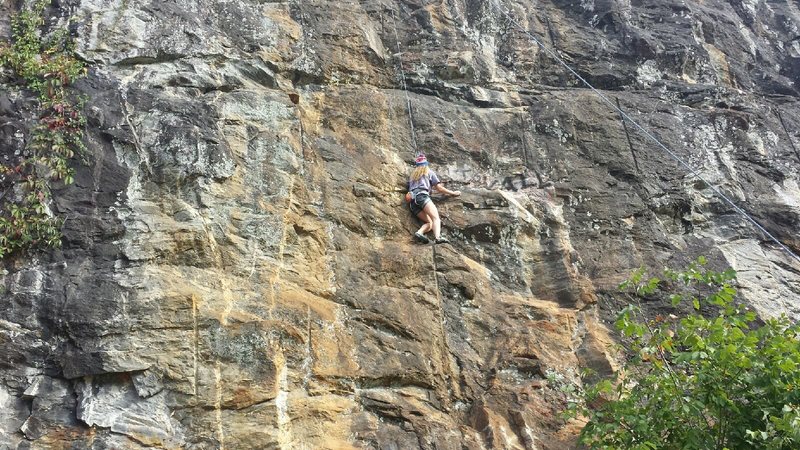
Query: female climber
x=419 y=187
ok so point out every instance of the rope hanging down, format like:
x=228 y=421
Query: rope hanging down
x=404 y=85
x=692 y=170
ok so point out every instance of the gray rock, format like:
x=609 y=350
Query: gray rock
x=52 y=407
x=113 y=402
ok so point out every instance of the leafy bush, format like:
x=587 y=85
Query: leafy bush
x=45 y=65
x=727 y=381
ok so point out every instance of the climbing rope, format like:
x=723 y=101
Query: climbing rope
x=681 y=161
x=404 y=85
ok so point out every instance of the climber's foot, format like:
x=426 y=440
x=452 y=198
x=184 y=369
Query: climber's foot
x=421 y=238
x=442 y=240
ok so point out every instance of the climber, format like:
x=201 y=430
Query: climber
x=419 y=190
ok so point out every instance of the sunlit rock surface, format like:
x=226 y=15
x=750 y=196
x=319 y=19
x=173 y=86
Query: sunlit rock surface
x=238 y=269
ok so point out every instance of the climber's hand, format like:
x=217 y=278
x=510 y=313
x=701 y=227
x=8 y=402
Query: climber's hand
x=456 y=193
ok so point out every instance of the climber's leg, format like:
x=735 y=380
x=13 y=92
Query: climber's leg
x=427 y=224
x=433 y=215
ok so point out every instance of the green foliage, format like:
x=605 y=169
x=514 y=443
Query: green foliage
x=45 y=65
x=717 y=382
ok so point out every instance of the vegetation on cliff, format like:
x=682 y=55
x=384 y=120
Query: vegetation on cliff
x=704 y=381
x=45 y=65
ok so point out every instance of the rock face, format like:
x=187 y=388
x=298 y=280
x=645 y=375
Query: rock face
x=238 y=269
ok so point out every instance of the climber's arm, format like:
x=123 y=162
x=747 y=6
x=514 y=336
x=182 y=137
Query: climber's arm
x=440 y=188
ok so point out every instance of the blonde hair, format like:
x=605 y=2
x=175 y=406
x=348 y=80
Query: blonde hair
x=419 y=172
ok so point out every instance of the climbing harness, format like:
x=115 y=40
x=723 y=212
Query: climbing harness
x=681 y=161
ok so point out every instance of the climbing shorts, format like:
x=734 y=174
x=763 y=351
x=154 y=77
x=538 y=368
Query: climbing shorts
x=417 y=204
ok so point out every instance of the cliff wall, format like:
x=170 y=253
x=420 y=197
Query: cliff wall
x=238 y=269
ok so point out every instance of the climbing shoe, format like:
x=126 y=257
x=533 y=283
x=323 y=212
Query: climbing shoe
x=421 y=238
x=442 y=240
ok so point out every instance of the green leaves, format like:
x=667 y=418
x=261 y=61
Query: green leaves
x=45 y=65
x=698 y=382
